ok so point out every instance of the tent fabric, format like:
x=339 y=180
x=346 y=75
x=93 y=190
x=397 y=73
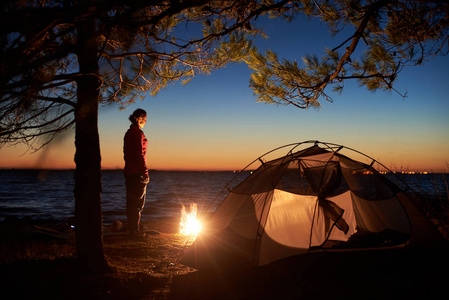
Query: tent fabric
x=304 y=201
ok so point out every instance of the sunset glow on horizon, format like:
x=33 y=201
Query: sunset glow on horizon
x=224 y=159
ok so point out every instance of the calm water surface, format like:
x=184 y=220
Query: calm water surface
x=49 y=195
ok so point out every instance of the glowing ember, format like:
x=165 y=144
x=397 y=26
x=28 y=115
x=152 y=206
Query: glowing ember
x=189 y=225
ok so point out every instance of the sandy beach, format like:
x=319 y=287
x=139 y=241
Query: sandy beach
x=38 y=266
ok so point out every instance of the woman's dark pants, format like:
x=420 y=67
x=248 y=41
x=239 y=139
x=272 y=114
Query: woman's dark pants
x=135 y=200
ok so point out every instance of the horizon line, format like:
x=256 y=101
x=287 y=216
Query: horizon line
x=198 y=170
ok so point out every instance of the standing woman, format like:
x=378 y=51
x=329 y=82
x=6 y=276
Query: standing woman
x=136 y=171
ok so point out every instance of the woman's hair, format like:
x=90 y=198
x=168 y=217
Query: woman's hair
x=136 y=115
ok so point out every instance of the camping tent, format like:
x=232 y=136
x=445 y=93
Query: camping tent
x=314 y=198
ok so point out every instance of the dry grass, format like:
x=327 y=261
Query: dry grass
x=144 y=268
x=42 y=268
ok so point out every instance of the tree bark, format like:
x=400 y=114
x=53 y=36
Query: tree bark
x=88 y=215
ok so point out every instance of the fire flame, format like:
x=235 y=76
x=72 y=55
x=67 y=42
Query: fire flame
x=189 y=225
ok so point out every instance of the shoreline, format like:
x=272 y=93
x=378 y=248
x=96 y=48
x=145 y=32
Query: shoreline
x=44 y=263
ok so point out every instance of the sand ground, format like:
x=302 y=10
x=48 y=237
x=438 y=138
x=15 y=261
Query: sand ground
x=38 y=266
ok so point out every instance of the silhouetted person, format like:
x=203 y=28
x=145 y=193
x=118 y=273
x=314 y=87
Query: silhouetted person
x=136 y=171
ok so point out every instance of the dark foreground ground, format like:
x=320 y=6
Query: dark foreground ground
x=39 y=265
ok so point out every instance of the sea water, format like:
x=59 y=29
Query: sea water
x=49 y=194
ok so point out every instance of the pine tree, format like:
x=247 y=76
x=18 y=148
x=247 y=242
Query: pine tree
x=62 y=59
x=388 y=35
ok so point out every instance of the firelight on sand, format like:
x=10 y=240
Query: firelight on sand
x=189 y=224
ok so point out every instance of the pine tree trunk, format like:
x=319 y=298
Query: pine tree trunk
x=88 y=215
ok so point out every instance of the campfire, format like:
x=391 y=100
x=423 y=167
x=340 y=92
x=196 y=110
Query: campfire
x=189 y=224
